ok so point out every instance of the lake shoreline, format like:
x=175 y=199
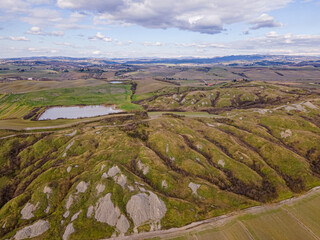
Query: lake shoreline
x=76 y=112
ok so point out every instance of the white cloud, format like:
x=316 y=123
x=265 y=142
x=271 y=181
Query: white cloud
x=41 y=16
x=72 y=22
x=42 y=50
x=40 y=13
x=55 y=33
x=270 y=43
x=205 y=16
x=96 y=52
x=123 y=43
x=264 y=21
x=100 y=36
x=38 y=31
x=201 y=45
x=35 y=31
x=90 y=5
x=157 y=44
x=67 y=44
x=22 y=38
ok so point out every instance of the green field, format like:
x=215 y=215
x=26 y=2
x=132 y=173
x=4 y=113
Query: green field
x=15 y=106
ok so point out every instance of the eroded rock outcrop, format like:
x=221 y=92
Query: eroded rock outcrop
x=75 y=216
x=113 y=171
x=221 y=162
x=82 y=187
x=194 y=187
x=286 y=133
x=47 y=190
x=116 y=175
x=142 y=167
x=27 y=211
x=33 y=230
x=100 y=188
x=123 y=224
x=69 y=230
x=90 y=211
x=67 y=148
x=106 y=212
x=145 y=208
x=121 y=180
x=164 y=184
x=68 y=205
x=310 y=105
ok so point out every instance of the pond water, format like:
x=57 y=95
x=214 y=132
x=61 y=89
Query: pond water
x=76 y=112
x=115 y=82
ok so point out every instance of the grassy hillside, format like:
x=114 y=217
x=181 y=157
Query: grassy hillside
x=236 y=164
x=221 y=97
x=173 y=168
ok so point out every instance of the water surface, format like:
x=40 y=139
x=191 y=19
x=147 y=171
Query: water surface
x=115 y=82
x=76 y=112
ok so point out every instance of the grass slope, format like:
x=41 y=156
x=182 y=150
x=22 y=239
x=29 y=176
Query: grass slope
x=244 y=157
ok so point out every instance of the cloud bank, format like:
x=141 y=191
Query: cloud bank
x=205 y=16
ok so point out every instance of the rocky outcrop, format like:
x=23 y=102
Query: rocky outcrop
x=47 y=190
x=295 y=107
x=142 y=167
x=75 y=216
x=221 y=162
x=113 y=171
x=106 y=212
x=123 y=224
x=194 y=187
x=164 y=184
x=27 y=211
x=100 y=188
x=71 y=134
x=33 y=230
x=114 y=174
x=286 y=133
x=82 y=187
x=310 y=105
x=68 y=205
x=69 y=230
x=67 y=148
x=121 y=180
x=90 y=211
x=144 y=208
x=102 y=167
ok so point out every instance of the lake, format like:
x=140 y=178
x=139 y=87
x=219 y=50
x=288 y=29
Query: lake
x=115 y=82
x=77 y=112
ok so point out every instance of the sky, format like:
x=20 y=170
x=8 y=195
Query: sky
x=158 y=28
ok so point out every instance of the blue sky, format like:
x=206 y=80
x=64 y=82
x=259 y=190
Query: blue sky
x=153 y=28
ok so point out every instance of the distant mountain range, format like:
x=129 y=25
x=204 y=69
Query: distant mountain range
x=234 y=60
